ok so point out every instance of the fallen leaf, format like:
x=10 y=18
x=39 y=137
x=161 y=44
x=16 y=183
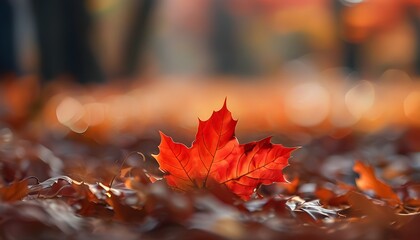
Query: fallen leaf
x=312 y=208
x=329 y=197
x=368 y=181
x=16 y=191
x=124 y=212
x=216 y=154
x=374 y=211
x=290 y=187
x=39 y=219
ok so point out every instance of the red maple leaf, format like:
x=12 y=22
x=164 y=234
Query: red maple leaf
x=216 y=155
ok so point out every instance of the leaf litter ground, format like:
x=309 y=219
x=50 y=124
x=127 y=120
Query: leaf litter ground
x=358 y=187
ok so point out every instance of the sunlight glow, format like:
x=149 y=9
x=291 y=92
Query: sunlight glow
x=307 y=104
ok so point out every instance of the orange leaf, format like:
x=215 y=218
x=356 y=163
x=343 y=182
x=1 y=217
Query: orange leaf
x=16 y=191
x=368 y=181
x=290 y=187
x=216 y=154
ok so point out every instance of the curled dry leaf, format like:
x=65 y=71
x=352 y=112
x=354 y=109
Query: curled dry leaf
x=216 y=154
x=313 y=208
x=367 y=181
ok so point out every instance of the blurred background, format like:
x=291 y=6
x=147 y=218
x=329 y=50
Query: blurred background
x=116 y=71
